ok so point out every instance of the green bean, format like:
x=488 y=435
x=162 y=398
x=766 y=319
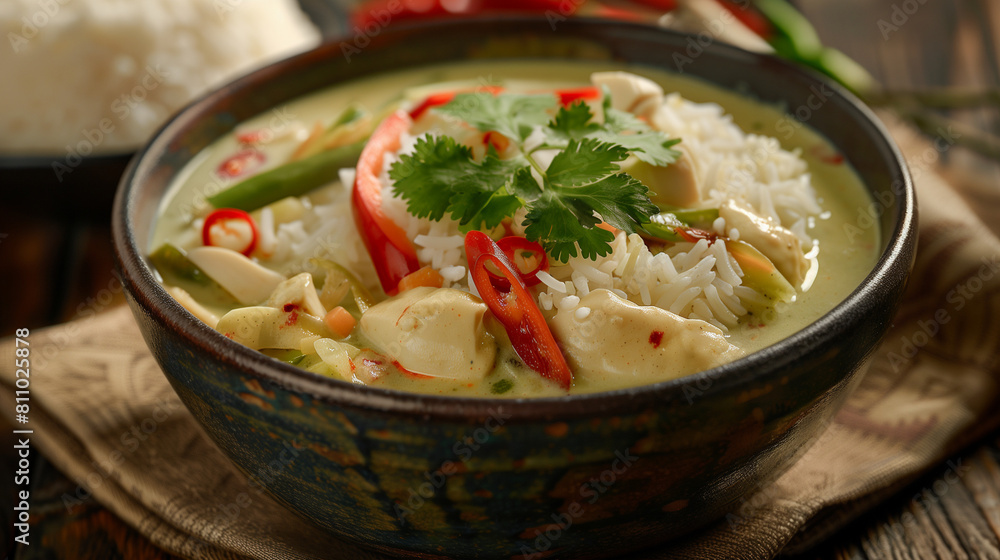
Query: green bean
x=291 y=179
x=794 y=36
x=691 y=216
x=664 y=227
x=352 y=113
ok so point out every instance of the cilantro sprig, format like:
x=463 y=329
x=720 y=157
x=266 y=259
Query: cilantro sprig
x=581 y=186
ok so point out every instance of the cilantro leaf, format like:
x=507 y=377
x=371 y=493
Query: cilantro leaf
x=581 y=162
x=440 y=176
x=422 y=178
x=480 y=198
x=650 y=147
x=573 y=203
x=513 y=115
x=621 y=200
x=573 y=123
x=562 y=224
x=525 y=185
x=566 y=202
x=624 y=129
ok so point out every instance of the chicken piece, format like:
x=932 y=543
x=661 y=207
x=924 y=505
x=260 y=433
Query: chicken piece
x=299 y=291
x=619 y=339
x=437 y=332
x=267 y=327
x=777 y=243
x=635 y=94
x=677 y=184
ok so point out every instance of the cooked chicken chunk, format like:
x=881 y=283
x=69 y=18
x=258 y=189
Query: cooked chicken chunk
x=619 y=339
x=433 y=331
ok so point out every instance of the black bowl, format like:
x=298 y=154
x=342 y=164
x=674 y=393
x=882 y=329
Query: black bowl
x=66 y=186
x=578 y=476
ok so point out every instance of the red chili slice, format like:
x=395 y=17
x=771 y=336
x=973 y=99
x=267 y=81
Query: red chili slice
x=240 y=163
x=225 y=219
x=569 y=96
x=511 y=245
x=516 y=310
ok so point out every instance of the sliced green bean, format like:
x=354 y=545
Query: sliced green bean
x=794 y=36
x=295 y=178
x=664 y=230
x=352 y=113
x=691 y=216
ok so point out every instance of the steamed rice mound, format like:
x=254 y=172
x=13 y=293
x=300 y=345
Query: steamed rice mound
x=102 y=75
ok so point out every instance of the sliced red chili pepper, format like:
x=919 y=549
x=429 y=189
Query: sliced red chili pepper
x=511 y=245
x=388 y=245
x=516 y=310
x=240 y=163
x=256 y=136
x=499 y=142
x=752 y=19
x=221 y=230
x=569 y=96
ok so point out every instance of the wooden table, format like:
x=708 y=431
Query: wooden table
x=51 y=268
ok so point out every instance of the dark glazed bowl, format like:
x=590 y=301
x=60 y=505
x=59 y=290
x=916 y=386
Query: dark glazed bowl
x=581 y=476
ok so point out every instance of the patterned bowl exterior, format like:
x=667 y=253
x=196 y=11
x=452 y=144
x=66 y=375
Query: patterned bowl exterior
x=576 y=477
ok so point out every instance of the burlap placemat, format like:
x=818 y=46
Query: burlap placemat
x=104 y=414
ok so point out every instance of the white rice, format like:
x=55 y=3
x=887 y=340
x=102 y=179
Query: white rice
x=84 y=76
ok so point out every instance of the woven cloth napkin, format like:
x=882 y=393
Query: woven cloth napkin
x=104 y=414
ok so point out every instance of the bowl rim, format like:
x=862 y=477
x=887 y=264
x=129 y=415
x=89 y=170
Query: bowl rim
x=140 y=283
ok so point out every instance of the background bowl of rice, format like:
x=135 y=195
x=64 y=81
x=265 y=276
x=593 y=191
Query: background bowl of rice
x=578 y=476
x=87 y=82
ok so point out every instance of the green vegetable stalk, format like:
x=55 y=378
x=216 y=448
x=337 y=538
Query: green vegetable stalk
x=291 y=179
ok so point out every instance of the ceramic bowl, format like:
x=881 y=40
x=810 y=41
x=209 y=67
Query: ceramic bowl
x=576 y=477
